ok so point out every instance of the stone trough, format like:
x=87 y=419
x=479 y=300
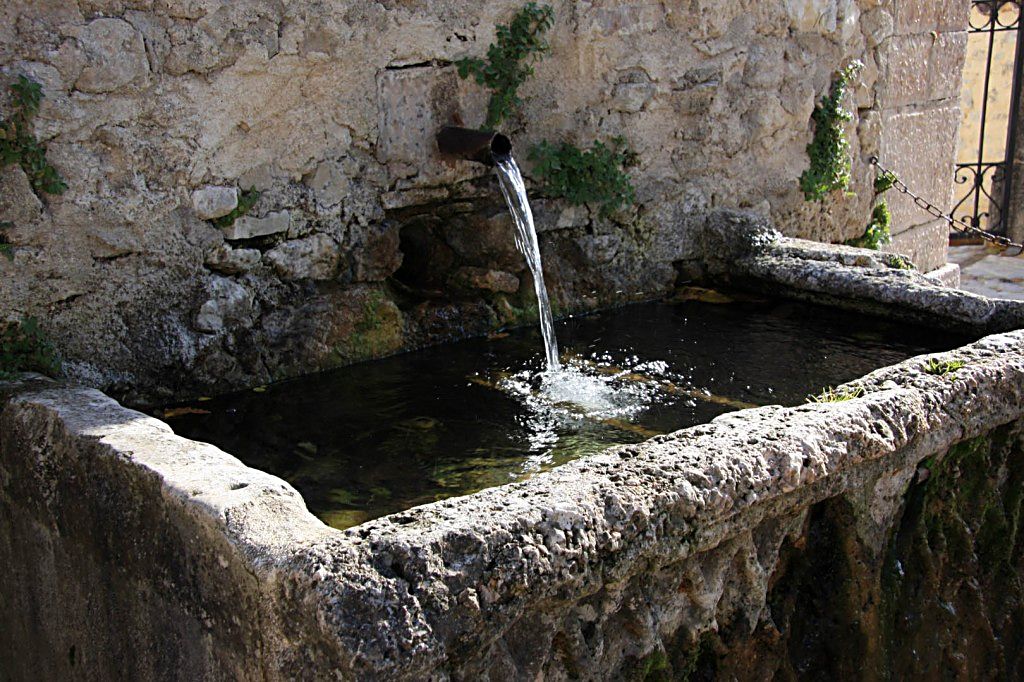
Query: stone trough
x=876 y=538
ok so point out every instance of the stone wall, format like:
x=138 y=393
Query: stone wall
x=364 y=242
x=923 y=63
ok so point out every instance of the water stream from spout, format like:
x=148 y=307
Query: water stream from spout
x=512 y=186
x=584 y=388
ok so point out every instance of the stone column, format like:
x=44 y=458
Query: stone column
x=922 y=65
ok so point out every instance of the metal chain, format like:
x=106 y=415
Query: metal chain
x=936 y=212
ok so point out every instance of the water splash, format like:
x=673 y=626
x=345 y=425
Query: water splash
x=583 y=402
x=514 y=190
x=583 y=391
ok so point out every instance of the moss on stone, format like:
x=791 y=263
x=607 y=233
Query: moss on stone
x=952 y=589
x=377 y=330
x=654 y=667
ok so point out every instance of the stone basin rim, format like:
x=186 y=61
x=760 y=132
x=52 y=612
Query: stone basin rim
x=451 y=577
x=677 y=494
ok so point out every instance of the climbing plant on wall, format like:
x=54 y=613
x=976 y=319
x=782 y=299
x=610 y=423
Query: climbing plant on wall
x=878 y=232
x=510 y=60
x=24 y=347
x=19 y=145
x=829 y=150
x=592 y=176
x=581 y=176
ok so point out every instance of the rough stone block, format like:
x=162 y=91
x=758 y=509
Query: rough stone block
x=812 y=16
x=918 y=146
x=116 y=56
x=247 y=227
x=947 y=275
x=413 y=105
x=18 y=203
x=632 y=97
x=229 y=305
x=925 y=245
x=920 y=68
x=498 y=281
x=877 y=24
x=330 y=183
x=214 y=202
x=922 y=16
x=233 y=261
x=377 y=255
x=946 y=65
x=314 y=257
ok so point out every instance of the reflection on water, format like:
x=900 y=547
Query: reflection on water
x=383 y=436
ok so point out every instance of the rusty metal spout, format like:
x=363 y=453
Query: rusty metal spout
x=482 y=146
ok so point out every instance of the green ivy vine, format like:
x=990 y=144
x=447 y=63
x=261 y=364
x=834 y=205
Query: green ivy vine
x=581 y=176
x=829 y=150
x=510 y=60
x=19 y=145
x=591 y=176
x=24 y=347
x=879 y=230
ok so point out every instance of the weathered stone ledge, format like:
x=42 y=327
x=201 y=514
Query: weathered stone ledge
x=742 y=249
x=447 y=589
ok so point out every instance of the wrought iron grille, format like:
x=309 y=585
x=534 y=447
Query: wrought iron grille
x=985 y=198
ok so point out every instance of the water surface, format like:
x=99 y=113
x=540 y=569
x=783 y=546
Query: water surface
x=383 y=436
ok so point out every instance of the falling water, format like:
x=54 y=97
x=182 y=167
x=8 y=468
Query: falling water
x=511 y=181
x=562 y=395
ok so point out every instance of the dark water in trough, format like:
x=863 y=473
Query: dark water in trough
x=383 y=436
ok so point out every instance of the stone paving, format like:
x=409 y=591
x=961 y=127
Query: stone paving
x=985 y=271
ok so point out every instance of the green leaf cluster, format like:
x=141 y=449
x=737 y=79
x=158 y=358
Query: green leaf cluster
x=829 y=150
x=877 y=233
x=898 y=262
x=943 y=367
x=592 y=176
x=246 y=200
x=884 y=182
x=510 y=60
x=19 y=145
x=24 y=347
x=837 y=395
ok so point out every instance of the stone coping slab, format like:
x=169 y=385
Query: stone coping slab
x=743 y=249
